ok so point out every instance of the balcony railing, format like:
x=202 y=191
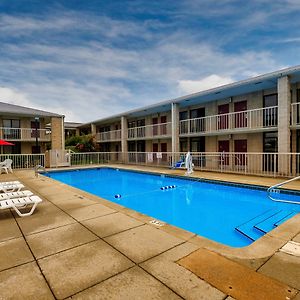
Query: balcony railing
x=24 y=134
x=243 y=121
x=150 y=131
x=295 y=114
x=109 y=136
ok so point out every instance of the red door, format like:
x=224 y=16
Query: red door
x=223 y=149
x=241 y=117
x=240 y=146
x=154 y=122
x=163 y=127
x=164 y=148
x=223 y=111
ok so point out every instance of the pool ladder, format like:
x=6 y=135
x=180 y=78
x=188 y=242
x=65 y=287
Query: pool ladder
x=37 y=168
x=273 y=189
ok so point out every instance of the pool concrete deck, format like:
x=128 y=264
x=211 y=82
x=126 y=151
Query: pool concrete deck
x=79 y=246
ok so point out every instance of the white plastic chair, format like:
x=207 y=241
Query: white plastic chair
x=21 y=203
x=6 y=166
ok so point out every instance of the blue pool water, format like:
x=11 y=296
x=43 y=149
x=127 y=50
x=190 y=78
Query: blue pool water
x=235 y=216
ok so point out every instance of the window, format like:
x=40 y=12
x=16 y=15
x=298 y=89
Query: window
x=105 y=129
x=197 y=123
x=15 y=149
x=184 y=126
x=131 y=124
x=183 y=145
x=198 y=145
x=141 y=129
x=183 y=115
x=11 y=129
x=270 y=113
x=270 y=146
x=270 y=142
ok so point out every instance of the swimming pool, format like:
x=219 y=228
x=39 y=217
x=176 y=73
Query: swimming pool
x=231 y=215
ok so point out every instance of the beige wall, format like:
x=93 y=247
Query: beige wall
x=26 y=148
x=57 y=133
x=149 y=143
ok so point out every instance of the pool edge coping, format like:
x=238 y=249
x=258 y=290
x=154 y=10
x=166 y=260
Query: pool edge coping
x=262 y=248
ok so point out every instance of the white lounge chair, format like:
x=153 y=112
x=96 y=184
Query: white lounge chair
x=8 y=188
x=6 y=166
x=9 y=182
x=21 y=203
x=11 y=195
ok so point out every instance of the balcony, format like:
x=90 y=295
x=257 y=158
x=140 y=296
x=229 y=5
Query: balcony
x=109 y=136
x=295 y=115
x=262 y=119
x=25 y=134
x=150 y=131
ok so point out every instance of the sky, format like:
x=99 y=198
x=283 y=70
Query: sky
x=95 y=58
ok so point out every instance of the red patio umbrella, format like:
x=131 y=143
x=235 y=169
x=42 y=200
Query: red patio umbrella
x=5 y=143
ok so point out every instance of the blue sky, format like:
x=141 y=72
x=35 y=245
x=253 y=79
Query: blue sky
x=90 y=59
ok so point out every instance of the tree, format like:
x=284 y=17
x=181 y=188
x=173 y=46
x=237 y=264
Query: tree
x=82 y=143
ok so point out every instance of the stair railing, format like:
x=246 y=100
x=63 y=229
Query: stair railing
x=274 y=189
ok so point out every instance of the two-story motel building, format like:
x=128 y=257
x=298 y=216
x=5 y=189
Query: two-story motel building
x=29 y=130
x=260 y=114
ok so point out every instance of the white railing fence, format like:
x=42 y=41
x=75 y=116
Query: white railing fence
x=295 y=114
x=162 y=129
x=113 y=135
x=89 y=158
x=248 y=119
x=262 y=164
x=28 y=134
x=24 y=161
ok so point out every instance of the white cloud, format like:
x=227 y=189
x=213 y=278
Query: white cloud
x=211 y=81
x=86 y=79
x=12 y=96
x=290 y=40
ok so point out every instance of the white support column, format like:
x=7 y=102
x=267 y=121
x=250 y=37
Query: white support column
x=93 y=129
x=124 y=134
x=175 y=131
x=284 y=132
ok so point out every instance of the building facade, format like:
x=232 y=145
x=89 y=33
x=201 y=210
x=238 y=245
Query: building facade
x=260 y=114
x=30 y=130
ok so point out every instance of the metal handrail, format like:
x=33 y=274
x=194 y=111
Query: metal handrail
x=272 y=189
